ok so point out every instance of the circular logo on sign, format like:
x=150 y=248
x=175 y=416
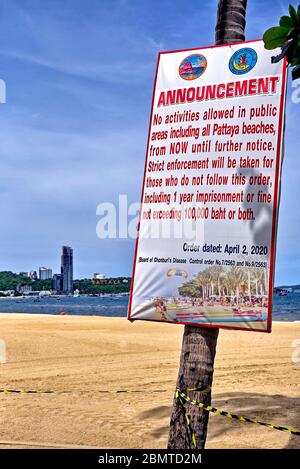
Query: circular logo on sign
x=243 y=61
x=192 y=67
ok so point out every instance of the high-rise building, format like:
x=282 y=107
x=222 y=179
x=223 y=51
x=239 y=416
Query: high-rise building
x=56 y=283
x=45 y=273
x=67 y=269
x=32 y=274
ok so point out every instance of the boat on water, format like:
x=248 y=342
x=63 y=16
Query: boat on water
x=76 y=293
x=283 y=293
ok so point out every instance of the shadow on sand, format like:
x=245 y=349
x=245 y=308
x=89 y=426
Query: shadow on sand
x=276 y=409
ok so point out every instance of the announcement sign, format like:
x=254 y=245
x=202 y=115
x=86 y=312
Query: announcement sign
x=206 y=246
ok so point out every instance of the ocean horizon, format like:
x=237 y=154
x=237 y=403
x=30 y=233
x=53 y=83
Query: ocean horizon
x=285 y=308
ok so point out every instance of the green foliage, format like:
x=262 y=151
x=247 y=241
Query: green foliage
x=275 y=37
x=39 y=285
x=286 y=22
x=286 y=36
x=10 y=280
x=218 y=280
x=293 y=15
x=86 y=286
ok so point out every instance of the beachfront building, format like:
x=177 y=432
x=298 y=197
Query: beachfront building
x=24 y=289
x=67 y=269
x=45 y=273
x=56 y=283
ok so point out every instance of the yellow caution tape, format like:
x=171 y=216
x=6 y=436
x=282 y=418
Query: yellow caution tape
x=24 y=391
x=180 y=395
x=117 y=391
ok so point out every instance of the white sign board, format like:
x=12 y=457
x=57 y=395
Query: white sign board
x=206 y=245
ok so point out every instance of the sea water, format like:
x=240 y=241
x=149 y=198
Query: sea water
x=285 y=308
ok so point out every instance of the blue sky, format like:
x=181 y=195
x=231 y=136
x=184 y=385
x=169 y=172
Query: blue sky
x=79 y=77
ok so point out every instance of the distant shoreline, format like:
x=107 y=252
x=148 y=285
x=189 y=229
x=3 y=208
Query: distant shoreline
x=84 y=295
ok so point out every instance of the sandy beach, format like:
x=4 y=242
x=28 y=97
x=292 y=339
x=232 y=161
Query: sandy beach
x=81 y=358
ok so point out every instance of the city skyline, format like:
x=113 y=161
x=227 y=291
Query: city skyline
x=40 y=266
x=36 y=270
x=60 y=282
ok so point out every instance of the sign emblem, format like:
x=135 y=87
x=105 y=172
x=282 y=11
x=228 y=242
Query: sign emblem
x=192 y=67
x=243 y=61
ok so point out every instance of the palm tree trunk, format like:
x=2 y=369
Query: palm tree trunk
x=195 y=370
x=199 y=343
x=231 y=21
